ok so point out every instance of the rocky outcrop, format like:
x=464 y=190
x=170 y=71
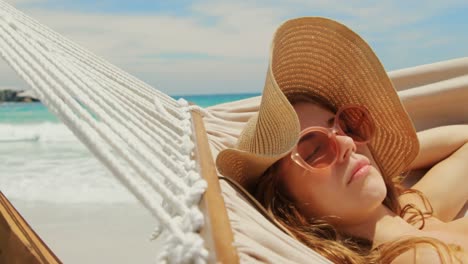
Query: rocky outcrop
x=18 y=96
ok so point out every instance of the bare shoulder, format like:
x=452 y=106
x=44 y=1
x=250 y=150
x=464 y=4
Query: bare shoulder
x=460 y=226
x=419 y=255
x=429 y=255
x=451 y=234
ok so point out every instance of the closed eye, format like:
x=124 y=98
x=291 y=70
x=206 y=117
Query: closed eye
x=310 y=156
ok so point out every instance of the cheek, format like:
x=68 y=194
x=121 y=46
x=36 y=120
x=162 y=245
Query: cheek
x=295 y=183
x=312 y=194
x=300 y=183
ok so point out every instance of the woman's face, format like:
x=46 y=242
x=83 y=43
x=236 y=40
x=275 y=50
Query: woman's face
x=347 y=191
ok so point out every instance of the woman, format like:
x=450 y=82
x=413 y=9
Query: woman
x=332 y=188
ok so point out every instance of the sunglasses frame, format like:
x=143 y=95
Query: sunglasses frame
x=331 y=133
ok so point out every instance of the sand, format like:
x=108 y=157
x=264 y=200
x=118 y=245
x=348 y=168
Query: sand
x=93 y=233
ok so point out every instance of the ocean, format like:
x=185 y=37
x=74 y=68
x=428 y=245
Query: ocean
x=42 y=161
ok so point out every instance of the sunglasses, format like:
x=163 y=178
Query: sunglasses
x=318 y=147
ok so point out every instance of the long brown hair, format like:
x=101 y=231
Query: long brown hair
x=324 y=238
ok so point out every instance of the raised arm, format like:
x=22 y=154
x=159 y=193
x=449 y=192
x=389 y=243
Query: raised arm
x=445 y=151
x=438 y=143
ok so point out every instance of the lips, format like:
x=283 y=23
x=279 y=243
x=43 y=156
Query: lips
x=359 y=165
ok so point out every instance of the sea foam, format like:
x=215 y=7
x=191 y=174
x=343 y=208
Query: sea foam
x=42 y=132
x=45 y=162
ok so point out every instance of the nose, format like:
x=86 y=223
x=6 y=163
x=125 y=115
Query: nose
x=346 y=146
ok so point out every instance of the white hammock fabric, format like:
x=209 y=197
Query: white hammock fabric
x=142 y=135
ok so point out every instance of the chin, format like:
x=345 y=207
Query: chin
x=374 y=189
x=372 y=193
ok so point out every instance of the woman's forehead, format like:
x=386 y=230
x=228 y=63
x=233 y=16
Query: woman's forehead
x=311 y=114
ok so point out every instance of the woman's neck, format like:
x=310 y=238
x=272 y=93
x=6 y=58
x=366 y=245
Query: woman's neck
x=381 y=226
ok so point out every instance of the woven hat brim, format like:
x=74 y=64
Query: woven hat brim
x=266 y=138
x=244 y=167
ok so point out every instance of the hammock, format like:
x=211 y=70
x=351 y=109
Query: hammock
x=159 y=149
x=142 y=135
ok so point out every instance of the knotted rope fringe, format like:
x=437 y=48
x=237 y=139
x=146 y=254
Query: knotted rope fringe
x=142 y=135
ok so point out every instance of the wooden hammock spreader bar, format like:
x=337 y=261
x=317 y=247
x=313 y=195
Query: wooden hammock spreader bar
x=18 y=242
x=217 y=232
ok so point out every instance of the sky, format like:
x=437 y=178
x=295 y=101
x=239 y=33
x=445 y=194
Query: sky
x=220 y=46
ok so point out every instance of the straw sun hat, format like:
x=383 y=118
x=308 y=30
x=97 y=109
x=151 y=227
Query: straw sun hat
x=320 y=57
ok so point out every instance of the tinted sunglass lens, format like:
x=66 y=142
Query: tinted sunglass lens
x=317 y=149
x=356 y=123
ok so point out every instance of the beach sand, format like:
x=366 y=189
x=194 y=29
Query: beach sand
x=93 y=233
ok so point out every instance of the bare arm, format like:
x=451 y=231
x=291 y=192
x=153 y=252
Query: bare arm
x=446 y=150
x=439 y=143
